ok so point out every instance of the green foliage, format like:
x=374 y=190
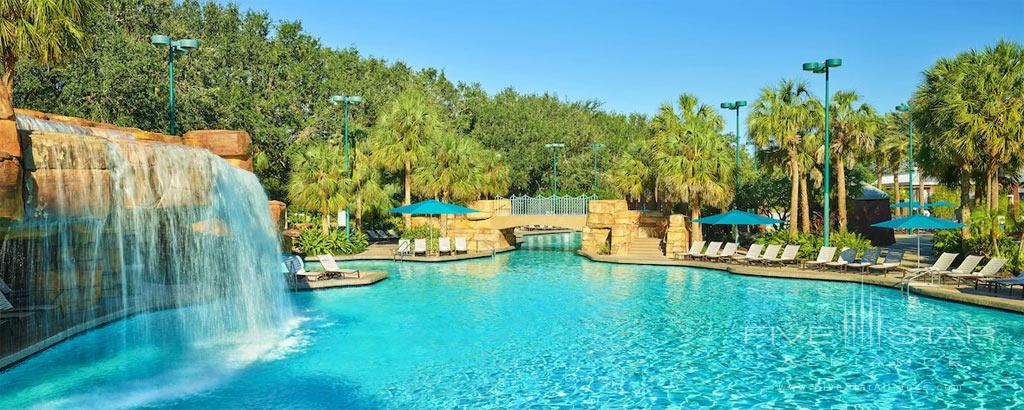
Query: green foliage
x=314 y=242
x=811 y=243
x=423 y=232
x=318 y=183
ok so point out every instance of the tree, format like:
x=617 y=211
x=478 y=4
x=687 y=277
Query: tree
x=369 y=188
x=777 y=123
x=403 y=134
x=318 y=182
x=893 y=146
x=853 y=128
x=695 y=162
x=628 y=176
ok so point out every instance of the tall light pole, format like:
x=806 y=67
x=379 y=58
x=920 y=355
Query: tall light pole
x=735 y=106
x=823 y=68
x=596 y=147
x=173 y=47
x=345 y=100
x=554 y=159
x=910 y=172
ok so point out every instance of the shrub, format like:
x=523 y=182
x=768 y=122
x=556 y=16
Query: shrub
x=811 y=243
x=315 y=242
x=423 y=232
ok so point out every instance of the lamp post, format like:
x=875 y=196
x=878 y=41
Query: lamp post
x=596 y=147
x=173 y=47
x=823 y=68
x=345 y=100
x=735 y=106
x=554 y=159
x=910 y=171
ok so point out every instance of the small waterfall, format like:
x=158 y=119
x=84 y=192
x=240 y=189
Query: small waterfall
x=115 y=227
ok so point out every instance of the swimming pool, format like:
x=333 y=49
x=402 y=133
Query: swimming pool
x=549 y=328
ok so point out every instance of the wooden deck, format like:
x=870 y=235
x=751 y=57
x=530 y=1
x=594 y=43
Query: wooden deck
x=960 y=294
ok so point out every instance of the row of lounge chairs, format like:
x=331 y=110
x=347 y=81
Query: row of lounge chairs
x=869 y=261
x=380 y=235
x=297 y=267
x=419 y=246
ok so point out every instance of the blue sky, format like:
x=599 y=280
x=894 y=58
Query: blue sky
x=633 y=56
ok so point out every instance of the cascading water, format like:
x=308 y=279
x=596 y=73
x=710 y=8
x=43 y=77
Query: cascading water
x=115 y=227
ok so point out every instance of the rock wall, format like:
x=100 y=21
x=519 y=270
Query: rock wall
x=477 y=227
x=612 y=228
x=677 y=235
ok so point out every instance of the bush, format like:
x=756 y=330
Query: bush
x=953 y=241
x=811 y=243
x=424 y=232
x=315 y=242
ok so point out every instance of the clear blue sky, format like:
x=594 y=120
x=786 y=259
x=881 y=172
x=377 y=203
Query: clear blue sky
x=633 y=57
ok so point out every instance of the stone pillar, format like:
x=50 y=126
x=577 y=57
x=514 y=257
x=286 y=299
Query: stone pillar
x=231 y=145
x=11 y=200
x=677 y=236
x=626 y=228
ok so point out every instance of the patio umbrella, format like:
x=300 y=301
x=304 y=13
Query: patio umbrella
x=431 y=207
x=918 y=222
x=939 y=203
x=737 y=217
x=906 y=204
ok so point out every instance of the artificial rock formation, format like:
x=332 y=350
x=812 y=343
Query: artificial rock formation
x=477 y=227
x=677 y=236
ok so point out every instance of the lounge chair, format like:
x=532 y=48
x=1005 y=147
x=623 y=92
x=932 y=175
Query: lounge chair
x=825 y=255
x=966 y=266
x=4 y=303
x=460 y=245
x=754 y=252
x=989 y=271
x=392 y=234
x=727 y=251
x=870 y=257
x=1008 y=282
x=420 y=247
x=331 y=267
x=846 y=256
x=941 y=264
x=404 y=248
x=444 y=245
x=296 y=267
x=771 y=253
x=712 y=250
x=788 y=256
x=695 y=250
x=382 y=235
x=372 y=235
x=892 y=260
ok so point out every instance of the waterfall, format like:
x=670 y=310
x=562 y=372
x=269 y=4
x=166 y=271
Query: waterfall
x=115 y=227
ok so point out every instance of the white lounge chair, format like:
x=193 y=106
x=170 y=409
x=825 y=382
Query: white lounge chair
x=754 y=252
x=297 y=267
x=727 y=251
x=846 y=256
x=712 y=250
x=941 y=264
x=420 y=247
x=967 y=266
x=771 y=253
x=460 y=245
x=989 y=271
x=893 y=259
x=695 y=250
x=444 y=245
x=870 y=257
x=404 y=248
x=825 y=255
x=788 y=255
x=331 y=267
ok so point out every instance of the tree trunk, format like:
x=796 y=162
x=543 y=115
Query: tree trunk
x=805 y=206
x=695 y=232
x=920 y=190
x=359 y=212
x=325 y=222
x=7 y=88
x=841 y=191
x=1015 y=200
x=896 y=191
x=993 y=205
x=445 y=197
x=406 y=218
x=794 y=191
x=965 y=208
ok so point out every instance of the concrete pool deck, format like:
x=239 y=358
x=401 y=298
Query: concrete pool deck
x=366 y=278
x=967 y=295
x=386 y=252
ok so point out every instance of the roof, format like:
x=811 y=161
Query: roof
x=870 y=192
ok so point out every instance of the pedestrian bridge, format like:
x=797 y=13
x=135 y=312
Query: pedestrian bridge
x=559 y=211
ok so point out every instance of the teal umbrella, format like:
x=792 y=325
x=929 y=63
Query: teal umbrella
x=905 y=204
x=737 y=217
x=918 y=222
x=940 y=203
x=432 y=207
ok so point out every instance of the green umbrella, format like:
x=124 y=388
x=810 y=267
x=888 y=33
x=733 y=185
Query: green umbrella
x=432 y=207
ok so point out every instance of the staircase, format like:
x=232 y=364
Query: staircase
x=647 y=248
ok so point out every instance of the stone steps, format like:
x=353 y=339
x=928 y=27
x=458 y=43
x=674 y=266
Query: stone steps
x=646 y=248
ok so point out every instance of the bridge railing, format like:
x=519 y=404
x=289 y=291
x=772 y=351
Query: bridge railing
x=551 y=205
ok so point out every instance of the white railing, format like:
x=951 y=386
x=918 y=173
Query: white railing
x=551 y=205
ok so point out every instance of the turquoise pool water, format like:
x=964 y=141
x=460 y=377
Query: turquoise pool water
x=549 y=328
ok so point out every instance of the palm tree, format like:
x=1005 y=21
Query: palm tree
x=46 y=31
x=402 y=135
x=694 y=163
x=628 y=176
x=318 y=183
x=893 y=145
x=777 y=123
x=853 y=128
x=369 y=188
